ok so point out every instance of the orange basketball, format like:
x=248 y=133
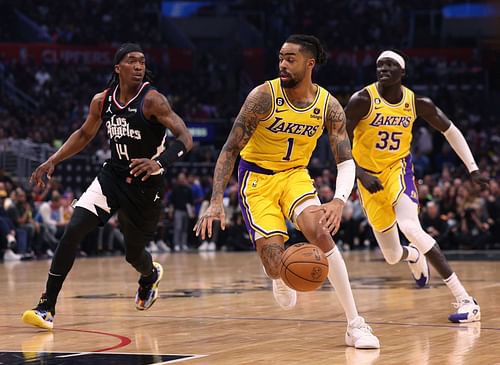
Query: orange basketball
x=304 y=267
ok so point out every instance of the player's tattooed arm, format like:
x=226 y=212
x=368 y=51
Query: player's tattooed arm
x=257 y=105
x=335 y=123
x=157 y=107
x=270 y=254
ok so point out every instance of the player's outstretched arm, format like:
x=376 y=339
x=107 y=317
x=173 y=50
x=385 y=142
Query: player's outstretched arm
x=335 y=123
x=357 y=107
x=78 y=140
x=438 y=120
x=257 y=105
x=156 y=107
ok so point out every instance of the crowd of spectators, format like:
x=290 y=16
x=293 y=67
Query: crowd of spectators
x=76 y=22
x=453 y=210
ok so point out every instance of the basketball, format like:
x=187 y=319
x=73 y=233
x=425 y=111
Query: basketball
x=304 y=267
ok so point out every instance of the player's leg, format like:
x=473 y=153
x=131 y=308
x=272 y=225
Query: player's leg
x=139 y=216
x=136 y=255
x=270 y=250
x=91 y=209
x=359 y=334
x=259 y=201
x=407 y=217
x=398 y=181
x=393 y=252
x=82 y=222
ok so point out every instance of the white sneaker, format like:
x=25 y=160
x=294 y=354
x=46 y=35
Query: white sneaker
x=212 y=246
x=177 y=248
x=467 y=311
x=420 y=269
x=162 y=246
x=203 y=246
x=10 y=255
x=359 y=335
x=284 y=296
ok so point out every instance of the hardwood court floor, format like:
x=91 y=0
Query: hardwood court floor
x=221 y=306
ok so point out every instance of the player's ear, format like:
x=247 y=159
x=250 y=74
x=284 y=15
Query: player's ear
x=403 y=72
x=311 y=62
x=117 y=69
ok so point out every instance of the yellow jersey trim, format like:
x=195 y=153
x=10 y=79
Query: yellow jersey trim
x=309 y=107
x=399 y=103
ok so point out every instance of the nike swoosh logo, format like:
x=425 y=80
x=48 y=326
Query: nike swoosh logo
x=281 y=110
x=378 y=107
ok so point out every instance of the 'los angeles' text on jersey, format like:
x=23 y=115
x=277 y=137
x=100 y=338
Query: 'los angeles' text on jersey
x=130 y=134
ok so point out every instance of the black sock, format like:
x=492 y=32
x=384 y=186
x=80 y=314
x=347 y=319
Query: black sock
x=150 y=279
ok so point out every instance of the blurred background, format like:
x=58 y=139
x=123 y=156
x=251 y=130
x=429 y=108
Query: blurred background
x=206 y=56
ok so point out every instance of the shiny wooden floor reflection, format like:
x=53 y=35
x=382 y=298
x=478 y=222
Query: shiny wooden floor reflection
x=221 y=306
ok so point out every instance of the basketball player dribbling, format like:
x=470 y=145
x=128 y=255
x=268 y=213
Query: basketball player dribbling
x=275 y=133
x=130 y=183
x=379 y=120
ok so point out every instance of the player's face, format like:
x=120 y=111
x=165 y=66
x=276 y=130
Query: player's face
x=389 y=72
x=132 y=68
x=293 y=65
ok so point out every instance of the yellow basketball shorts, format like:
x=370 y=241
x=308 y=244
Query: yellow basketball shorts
x=379 y=207
x=267 y=198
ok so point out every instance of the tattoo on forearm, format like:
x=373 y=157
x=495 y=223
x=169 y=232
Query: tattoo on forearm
x=271 y=257
x=337 y=134
x=256 y=106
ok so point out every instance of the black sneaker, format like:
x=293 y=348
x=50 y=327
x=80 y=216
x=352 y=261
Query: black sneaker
x=147 y=294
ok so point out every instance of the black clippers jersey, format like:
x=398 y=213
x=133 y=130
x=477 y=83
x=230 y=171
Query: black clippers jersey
x=130 y=134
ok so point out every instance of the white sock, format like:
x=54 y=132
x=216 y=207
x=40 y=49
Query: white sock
x=456 y=287
x=413 y=254
x=339 y=279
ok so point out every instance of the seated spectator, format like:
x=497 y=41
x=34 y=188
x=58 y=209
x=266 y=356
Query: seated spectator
x=434 y=224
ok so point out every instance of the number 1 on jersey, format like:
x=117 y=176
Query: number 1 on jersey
x=121 y=149
x=289 y=149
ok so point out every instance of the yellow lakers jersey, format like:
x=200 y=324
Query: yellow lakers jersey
x=384 y=135
x=286 y=138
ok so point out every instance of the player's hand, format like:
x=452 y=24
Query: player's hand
x=215 y=211
x=45 y=169
x=479 y=179
x=332 y=215
x=139 y=166
x=370 y=182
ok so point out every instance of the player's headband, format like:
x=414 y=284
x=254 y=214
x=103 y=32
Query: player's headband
x=124 y=49
x=393 y=56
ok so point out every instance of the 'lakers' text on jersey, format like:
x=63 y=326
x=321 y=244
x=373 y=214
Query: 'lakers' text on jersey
x=384 y=135
x=287 y=137
x=130 y=134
